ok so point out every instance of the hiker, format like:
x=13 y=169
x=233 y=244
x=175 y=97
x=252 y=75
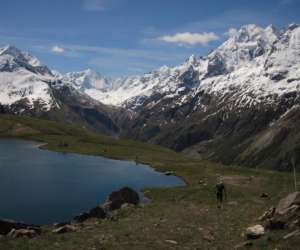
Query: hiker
x=220 y=192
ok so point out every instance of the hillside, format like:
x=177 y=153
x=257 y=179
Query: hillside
x=177 y=218
x=237 y=105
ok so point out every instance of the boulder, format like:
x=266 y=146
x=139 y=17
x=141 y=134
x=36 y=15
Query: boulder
x=64 y=229
x=7 y=225
x=287 y=202
x=255 y=232
x=287 y=218
x=97 y=212
x=18 y=233
x=116 y=199
x=285 y=215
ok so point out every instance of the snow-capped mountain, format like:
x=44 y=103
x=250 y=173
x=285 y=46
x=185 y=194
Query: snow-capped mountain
x=238 y=104
x=28 y=87
x=88 y=79
x=132 y=89
x=24 y=79
x=254 y=63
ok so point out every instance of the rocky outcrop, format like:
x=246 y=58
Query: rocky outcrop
x=286 y=214
x=97 y=212
x=116 y=199
x=6 y=226
x=121 y=199
x=292 y=200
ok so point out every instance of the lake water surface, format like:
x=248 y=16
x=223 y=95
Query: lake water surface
x=40 y=186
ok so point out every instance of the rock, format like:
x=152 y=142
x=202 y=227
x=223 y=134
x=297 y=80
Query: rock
x=255 y=232
x=168 y=173
x=172 y=242
x=97 y=212
x=206 y=234
x=18 y=233
x=60 y=224
x=116 y=199
x=292 y=234
x=285 y=215
x=64 y=229
x=243 y=245
x=7 y=225
x=287 y=202
x=267 y=215
x=208 y=237
x=264 y=195
x=126 y=206
x=288 y=218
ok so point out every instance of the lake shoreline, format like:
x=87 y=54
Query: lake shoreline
x=43 y=146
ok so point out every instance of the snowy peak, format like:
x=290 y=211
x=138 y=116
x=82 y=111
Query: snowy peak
x=12 y=59
x=253 y=33
x=23 y=79
x=88 y=79
x=242 y=48
x=11 y=50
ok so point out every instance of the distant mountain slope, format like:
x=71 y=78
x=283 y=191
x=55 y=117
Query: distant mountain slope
x=232 y=104
x=239 y=104
x=29 y=88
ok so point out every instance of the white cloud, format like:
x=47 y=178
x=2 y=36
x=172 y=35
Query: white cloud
x=190 y=38
x=73 y=50
x=57 y=49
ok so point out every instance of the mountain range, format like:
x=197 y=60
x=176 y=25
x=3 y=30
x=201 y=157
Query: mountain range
x=237 y=105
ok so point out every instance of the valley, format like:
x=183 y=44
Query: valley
x=185 y=215
x=232 y=114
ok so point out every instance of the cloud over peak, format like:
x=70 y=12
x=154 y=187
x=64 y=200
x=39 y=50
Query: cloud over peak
x=58 y=50
x=188 y=38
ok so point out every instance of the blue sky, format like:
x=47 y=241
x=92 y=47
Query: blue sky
x=123 y=37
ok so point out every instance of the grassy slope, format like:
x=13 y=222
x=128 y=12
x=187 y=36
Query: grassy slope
x=185 y=214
